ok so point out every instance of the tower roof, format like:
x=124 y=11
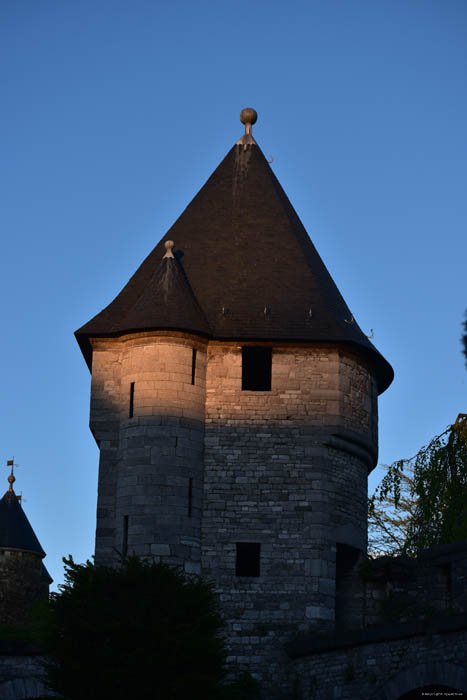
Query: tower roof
x=244 y=269
x=15 y=529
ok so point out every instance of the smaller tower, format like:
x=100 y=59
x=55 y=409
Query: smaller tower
x=23 y=577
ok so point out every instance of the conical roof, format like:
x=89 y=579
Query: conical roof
x=247 y=266
x=15 y=529
x=165 y=301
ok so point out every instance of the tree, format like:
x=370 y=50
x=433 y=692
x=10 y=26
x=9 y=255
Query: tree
x=388 y=524
x=143 y=630
x=422 y=501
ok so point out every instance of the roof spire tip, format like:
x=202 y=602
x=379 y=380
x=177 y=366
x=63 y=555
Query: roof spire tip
x=11 y=477
x=248 y=116
x=168 y=249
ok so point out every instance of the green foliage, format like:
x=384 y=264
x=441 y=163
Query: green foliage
x=349 y=673
x=430 y=490
x=11 y=632
x=440 y=480
x=144 y=630
x=390 y=511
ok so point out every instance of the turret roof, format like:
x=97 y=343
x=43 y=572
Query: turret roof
x=244 y=269
x=45 y=576
x=15 y=529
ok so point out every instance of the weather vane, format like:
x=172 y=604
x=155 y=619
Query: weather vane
x=12 y=478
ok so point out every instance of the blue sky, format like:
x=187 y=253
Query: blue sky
x=113 y=116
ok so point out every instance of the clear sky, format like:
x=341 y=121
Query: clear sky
x=114 y=114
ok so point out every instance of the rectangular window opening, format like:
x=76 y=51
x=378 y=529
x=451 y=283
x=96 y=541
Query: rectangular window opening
x=248 y=559
x=132 y=400
x=256 y=369
x=125 y=536
x=190 y=497
x=193 y=365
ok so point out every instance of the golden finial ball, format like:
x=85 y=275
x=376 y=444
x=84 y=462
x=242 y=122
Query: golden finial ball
x=248 y=115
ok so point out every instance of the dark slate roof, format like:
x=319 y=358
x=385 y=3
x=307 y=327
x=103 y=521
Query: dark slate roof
x=45 y=574
x=166 y=301
x=15 y=529
x=249 y=271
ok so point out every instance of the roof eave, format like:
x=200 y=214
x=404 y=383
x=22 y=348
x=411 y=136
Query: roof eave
x=384 y=373
x=40 y=552
x=83 y=339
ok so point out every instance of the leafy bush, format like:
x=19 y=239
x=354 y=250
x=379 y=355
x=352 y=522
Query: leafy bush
x=422 y=501
x=144 y=630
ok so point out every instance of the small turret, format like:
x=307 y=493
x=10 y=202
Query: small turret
x=23 y=577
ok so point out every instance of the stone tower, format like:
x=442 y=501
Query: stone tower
x=23 y=577
x=234 y=401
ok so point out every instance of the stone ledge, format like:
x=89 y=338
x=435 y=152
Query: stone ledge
x=371 y=635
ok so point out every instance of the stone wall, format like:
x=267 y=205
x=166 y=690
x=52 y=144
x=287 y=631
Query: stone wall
x=314 y=385
x=402 y=589
x=287 y=469
x=383 y=664
x=284 y=469
x=210 y=464
x=402 y=625
x=21 y=672
x=151 y=469
x=105 y=425
x=21 y=585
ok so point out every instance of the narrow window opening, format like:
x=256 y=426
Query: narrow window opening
x=125 y=536
x=193 y=365
x=132 y=400
x=190 y=497
x=256 y=369
x=248 y=559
